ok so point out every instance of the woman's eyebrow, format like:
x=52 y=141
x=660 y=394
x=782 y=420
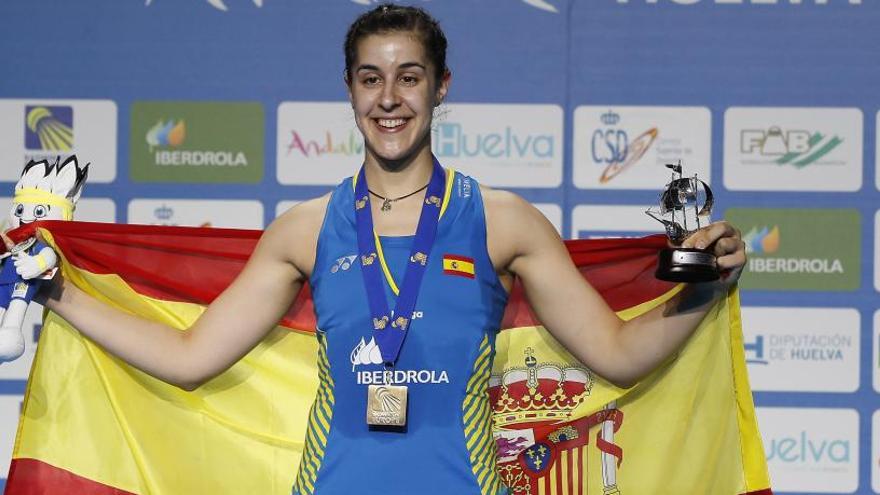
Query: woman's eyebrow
x=405 y=65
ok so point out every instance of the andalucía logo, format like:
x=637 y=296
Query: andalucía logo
x=350 y=144
x=795 y=147
x=197 y=142
x=800 y=249
x=48 y=128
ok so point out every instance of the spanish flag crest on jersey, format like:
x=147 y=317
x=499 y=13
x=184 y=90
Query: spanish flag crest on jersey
x=92 y=424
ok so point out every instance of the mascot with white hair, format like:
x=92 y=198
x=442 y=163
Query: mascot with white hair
x=46 y=191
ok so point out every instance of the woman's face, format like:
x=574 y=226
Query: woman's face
x=393 y=93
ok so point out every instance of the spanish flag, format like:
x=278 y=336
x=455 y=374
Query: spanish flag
x=461 y=266
x=92 y=424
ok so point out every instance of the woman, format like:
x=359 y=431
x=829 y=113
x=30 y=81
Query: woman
x=444 y=255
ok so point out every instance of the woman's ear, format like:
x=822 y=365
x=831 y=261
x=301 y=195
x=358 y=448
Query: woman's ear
x=442 y=88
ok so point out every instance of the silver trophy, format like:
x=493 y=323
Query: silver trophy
x=682 y=204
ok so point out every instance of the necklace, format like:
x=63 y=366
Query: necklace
x=386 y=202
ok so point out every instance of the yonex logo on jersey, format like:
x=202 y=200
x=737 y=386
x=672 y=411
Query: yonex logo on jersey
x=343 y=263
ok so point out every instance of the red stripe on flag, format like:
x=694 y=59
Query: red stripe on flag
x=195 y=264
x=581 y=470
x=765 y=491
x=182 y=264
x=569 y=462
x=459 y=274
x=456 y=257
x=33 y=477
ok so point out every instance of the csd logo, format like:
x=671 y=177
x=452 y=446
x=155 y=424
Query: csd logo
x=343 y=263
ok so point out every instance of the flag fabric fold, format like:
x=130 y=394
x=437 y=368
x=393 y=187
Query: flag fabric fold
x=92 y=424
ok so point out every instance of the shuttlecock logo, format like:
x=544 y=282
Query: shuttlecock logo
x=49 y=128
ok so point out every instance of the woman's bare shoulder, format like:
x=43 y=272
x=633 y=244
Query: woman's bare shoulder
x=506 y=209
x=303 y=216
x=294 y=234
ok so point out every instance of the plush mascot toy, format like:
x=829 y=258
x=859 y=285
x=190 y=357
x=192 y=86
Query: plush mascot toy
x=44 y=192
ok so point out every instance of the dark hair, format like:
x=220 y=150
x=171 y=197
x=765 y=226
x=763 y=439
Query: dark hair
x=390 y=18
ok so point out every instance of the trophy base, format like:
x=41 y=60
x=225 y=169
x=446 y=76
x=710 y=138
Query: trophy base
x=686 y=265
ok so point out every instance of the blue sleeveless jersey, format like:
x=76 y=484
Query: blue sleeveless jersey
x=446 y=360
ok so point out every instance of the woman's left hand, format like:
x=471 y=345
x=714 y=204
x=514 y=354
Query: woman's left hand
x=724 y=241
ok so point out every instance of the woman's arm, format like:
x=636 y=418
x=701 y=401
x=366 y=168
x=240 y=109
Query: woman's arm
x=524 y=243
x=230 y=327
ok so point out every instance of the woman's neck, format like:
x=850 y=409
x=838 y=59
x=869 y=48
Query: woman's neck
x=395 y=179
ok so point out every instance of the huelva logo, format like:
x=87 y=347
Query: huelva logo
x=451 y=140
x=800 y=249
x=802 y=448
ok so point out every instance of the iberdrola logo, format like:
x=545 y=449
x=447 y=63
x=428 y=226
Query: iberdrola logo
x=762 y=241
x=168 y=134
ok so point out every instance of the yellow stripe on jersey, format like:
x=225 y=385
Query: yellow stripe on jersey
x=478 y=423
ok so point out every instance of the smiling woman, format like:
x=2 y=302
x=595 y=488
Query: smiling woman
x=403 y=404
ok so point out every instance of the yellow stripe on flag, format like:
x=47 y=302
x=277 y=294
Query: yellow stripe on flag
x=458 y=265
x=229 y=431
x=689 y=427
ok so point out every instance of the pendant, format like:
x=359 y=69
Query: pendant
x=386 y=204
x=386 y=405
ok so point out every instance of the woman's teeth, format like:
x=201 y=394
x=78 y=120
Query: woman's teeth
x=391 y=123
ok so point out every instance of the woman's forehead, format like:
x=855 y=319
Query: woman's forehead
x=389 y=50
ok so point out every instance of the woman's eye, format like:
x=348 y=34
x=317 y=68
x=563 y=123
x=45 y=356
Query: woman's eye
x=409 y=80
x=40 y=211
x=19 y=210
x=371 y=81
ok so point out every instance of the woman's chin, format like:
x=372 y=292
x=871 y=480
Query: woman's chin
x=395 y=155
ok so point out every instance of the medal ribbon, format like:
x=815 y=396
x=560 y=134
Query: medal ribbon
x=389 y=328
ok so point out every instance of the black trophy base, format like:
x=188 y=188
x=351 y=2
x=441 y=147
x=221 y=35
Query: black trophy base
x=686 y=265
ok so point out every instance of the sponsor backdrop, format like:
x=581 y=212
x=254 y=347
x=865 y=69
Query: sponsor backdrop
x=227 y=112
